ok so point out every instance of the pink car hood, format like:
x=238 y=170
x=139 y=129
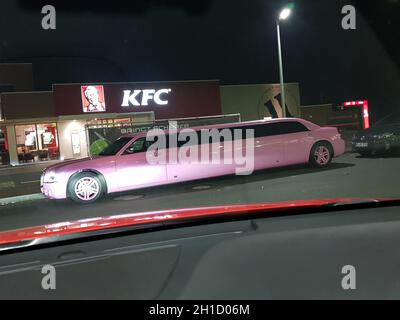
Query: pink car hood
x=71 y=163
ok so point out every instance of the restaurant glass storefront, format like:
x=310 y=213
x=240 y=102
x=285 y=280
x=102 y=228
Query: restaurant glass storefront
x=37 y=142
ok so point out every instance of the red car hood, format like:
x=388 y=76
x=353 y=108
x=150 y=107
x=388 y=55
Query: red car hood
x=141 y=218
x=67 y=163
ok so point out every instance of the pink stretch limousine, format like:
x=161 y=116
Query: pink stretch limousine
x=124 y=164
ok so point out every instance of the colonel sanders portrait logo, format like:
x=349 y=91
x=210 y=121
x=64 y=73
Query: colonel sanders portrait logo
x=93 y=99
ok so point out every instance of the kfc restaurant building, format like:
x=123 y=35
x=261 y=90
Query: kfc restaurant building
x=76 y=120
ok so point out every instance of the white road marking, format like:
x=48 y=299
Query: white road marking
x=201 y=187
x=7 y=184
x=129 y=197
x=32 y=181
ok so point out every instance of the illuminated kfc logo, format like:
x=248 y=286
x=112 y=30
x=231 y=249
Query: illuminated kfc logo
x=93 y=99
x=143 y=97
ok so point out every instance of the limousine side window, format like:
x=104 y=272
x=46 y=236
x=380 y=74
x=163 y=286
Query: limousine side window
x=186 y=141
x=292 y=127
x=136 y=146
x=191 y=139
x=224 y=134
x=277 y=128
x=260 y=130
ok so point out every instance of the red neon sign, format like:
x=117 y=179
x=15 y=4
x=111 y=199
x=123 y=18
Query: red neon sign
x=365 y=113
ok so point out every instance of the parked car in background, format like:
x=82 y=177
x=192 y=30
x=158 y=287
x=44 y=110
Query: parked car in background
x=124 y=165
x=381 y=138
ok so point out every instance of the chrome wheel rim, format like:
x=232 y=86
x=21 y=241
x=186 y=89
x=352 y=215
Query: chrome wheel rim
x=87 y=188
x=321 y=155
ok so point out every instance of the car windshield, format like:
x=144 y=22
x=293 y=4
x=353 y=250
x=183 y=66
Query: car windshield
x=113 y=148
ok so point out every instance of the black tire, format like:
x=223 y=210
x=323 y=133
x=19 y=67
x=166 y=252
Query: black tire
x=87 y=178
x=316 y=160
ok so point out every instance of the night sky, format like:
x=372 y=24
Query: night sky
x=230 y=40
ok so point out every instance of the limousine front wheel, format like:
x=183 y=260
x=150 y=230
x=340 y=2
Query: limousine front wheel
x=85 y=187
x=321 y=154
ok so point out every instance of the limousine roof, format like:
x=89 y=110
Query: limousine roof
x=308 y=124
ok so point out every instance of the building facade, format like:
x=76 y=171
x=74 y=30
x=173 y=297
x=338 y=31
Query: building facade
x=258 y=101
x=77 y=120
x=54 y=125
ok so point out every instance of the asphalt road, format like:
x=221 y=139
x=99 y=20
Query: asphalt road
x=348 y=176
x=15 y=181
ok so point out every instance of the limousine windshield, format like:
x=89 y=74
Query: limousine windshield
x=113 y=148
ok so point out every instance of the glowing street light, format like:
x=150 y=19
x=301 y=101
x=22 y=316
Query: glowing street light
x=285 y=13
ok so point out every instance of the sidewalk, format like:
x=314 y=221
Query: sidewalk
x=15 y=199
x=28 y=167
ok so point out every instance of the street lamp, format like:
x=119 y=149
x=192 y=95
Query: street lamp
x=284 y=14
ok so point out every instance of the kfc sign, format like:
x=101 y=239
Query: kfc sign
x=143 y=97
x=93 y=99
x=167 y=100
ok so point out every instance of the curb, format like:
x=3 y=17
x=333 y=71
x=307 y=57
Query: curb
x=25 y=197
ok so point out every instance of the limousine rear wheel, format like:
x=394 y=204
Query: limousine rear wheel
x=321 y=154
x=85 y=187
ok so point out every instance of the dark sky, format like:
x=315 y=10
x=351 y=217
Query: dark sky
x=230 y=40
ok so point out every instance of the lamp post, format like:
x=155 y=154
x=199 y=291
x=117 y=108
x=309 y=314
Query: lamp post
x=284 y=14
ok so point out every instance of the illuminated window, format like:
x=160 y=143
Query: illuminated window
x=37 y=142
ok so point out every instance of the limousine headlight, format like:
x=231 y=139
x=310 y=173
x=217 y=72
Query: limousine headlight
x=50 y=177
